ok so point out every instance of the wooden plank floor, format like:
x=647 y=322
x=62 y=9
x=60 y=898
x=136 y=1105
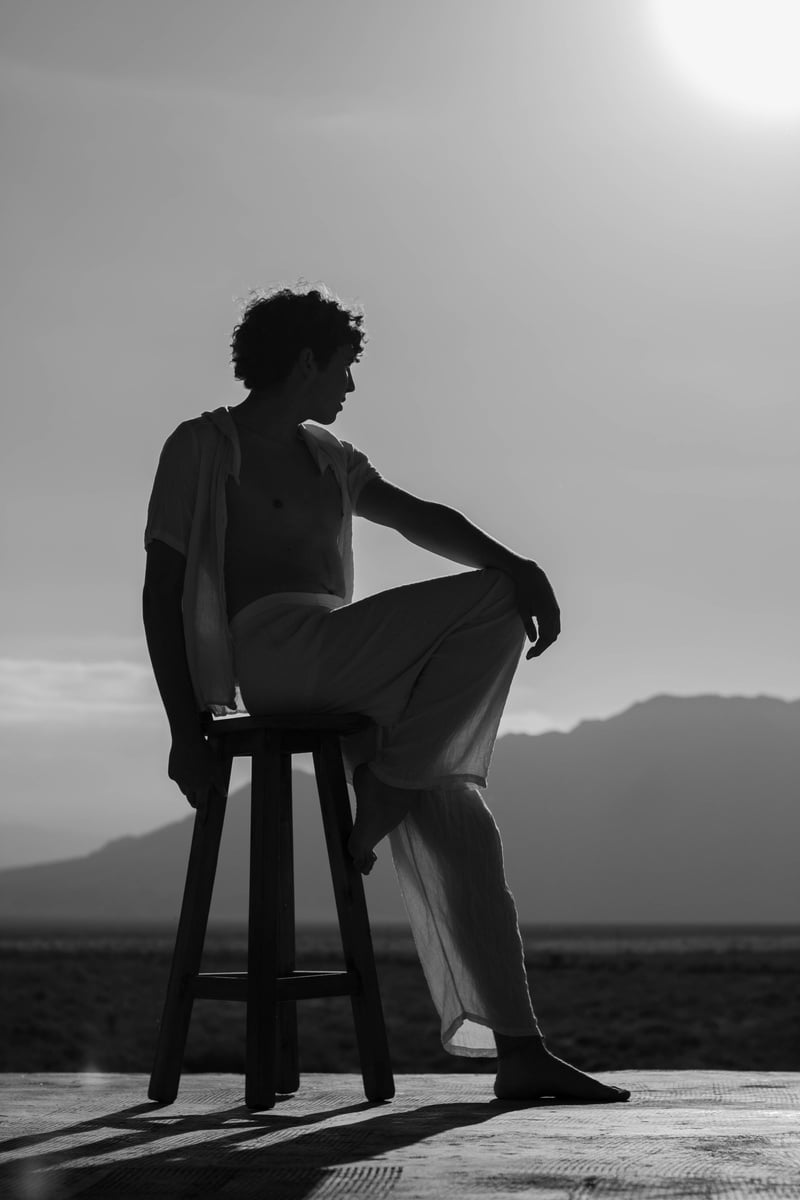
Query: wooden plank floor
x=683 y=1134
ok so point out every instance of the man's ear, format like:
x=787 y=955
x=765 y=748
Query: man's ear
x=306 y=361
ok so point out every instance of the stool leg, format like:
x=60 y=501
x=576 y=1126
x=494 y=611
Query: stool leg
x=262 y=937
x=288 y=1077
x=348 y=887
x=188 y=951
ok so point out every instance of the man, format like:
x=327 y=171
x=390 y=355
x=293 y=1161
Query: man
x=249 y=582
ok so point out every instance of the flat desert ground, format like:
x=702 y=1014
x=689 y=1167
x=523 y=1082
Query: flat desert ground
x=606 y=998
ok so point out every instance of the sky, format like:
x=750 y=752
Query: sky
x=579 y=264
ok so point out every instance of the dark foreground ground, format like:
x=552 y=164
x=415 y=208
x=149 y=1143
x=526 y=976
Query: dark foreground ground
x=689 y=1134
x=91 y=1001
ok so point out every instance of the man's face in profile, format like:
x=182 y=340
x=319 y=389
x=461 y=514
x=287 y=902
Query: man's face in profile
x=330 y=386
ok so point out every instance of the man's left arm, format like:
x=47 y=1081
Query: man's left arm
x=447 y=532
x=435 y=527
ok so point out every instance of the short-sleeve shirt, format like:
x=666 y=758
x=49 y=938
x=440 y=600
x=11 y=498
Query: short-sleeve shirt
x=188 y=511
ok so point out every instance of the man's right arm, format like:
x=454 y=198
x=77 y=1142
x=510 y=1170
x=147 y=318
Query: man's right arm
x=191 y=764
x=163 y=626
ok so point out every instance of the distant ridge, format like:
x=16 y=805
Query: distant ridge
x=22 y=843
x=678 y=810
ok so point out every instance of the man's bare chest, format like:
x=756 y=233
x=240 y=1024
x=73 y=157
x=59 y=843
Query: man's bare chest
x=283 y=493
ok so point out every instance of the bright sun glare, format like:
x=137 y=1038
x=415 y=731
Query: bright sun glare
x=745 y=53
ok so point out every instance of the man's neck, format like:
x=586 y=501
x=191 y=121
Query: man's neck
x=272 y=418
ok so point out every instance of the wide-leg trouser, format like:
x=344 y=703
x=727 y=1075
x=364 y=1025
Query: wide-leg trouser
x=431 y=663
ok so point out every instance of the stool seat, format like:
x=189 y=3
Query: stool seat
x=340 y=723
x=271 y=986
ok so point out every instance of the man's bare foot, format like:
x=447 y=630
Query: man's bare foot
x=533 y=1073
x=379 y=809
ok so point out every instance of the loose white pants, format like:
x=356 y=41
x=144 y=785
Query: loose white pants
x=431 y=663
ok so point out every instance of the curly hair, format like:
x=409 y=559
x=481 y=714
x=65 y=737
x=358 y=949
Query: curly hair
x=277 y=325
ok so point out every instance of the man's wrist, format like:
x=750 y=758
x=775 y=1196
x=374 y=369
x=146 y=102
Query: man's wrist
x=509 y=562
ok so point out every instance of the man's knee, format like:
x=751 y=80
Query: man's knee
x=502 y=585
x=498 y=579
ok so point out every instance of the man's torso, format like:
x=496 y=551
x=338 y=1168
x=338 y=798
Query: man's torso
x=284 y=519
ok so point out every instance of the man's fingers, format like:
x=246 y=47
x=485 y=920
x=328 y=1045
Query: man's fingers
x=199 y=795
x=544 y=643
x=538 y=649
x=530 y=627
x=548 y=632
x=197 y=799
x=539 y=611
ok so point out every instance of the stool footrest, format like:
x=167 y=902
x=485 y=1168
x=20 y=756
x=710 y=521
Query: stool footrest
x=300 y=985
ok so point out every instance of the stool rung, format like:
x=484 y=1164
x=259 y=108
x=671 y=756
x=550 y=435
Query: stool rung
x=222 y=985
x=308 y=985
x=300 y=985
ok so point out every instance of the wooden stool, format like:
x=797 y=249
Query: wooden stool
x=271 y=986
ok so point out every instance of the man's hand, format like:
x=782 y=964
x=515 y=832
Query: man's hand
x=536 y=598
x=196 y=770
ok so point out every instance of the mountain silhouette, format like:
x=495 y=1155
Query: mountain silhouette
x=678 y=810
x=22 y=843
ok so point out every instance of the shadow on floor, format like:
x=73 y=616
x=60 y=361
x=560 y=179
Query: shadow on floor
x=185 y=1155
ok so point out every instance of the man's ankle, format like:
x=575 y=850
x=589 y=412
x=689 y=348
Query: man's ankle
x=508 y=1046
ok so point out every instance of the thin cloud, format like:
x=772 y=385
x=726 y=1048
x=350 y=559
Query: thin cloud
x=35 y=77
x=44 y=690
x=532 y=721
x=269 y=108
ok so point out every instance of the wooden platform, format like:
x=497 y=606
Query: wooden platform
x=683 y=1134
